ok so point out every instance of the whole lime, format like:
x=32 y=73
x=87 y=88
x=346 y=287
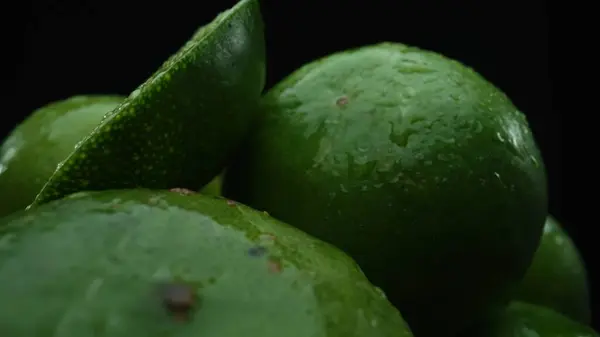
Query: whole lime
x=419 y=168
x=162 y=264
x=33 y=150
x=521 y=319
x=557 y=277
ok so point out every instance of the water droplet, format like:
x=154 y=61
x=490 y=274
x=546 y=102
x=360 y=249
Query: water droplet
x=535 y=161
x=500 y=137
x=135 y=93
x=362 y=149
x=380 y=292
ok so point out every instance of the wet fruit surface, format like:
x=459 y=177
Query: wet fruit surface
x=526 y=320
x=161 y=264
x=415 y=165
x=557 y=277
x=33 y=150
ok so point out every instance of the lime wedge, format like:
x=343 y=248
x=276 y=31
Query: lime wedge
x=179 y=128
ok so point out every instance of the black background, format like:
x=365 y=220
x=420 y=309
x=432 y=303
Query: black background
x=63 y=48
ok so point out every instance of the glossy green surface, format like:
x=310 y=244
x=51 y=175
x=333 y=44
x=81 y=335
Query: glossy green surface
x=180 y=127
x=527 y=320
x=214 y=187
x=92 y=265
x=32 y=151
x=557 y=277
x=416 y=166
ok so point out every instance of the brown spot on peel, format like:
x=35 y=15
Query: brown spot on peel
x=274 y=266
x=182 y=191
x=179 y=299
x=342 y=101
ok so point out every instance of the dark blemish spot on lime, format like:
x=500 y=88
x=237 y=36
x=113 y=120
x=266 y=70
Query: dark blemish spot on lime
x=231 y=203
x=179 y=299
x=274 y=266
x=182 y=191
x=257 y=251
x=342 y=101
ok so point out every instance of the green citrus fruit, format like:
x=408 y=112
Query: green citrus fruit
x=557 y=277
x=522 y=319
x=413 y=164
x=180 y=127
x=33 y=150
x=164 y=264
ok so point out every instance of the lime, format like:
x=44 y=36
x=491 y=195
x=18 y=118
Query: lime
x=32 y=151
x=557 y=277
x=415 y=165
x=522 y=319
x=159 y=264
x=181 y=126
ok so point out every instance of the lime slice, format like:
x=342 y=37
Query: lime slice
x=179 y=128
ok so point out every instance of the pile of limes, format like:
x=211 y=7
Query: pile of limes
x=385 y=191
